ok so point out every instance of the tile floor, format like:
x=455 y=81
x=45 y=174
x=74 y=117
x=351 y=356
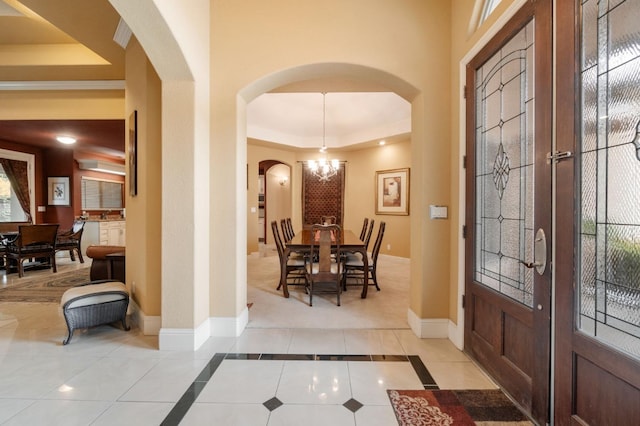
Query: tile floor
x=283 y=369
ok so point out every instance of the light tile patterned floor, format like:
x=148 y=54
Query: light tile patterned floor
x=107 y=376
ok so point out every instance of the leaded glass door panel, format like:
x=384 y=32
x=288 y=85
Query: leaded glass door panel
x=598 y=281
x=507 y=312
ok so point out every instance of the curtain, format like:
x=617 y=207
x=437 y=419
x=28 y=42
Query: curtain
x=16 y=171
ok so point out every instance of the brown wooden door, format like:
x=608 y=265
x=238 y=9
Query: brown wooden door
x=597 y=349
x=508 y=217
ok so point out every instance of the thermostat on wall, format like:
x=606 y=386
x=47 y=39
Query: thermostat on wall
x=438 y=212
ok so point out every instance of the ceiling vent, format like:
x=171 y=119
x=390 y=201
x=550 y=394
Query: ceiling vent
x=122 y=34
x=102 y=166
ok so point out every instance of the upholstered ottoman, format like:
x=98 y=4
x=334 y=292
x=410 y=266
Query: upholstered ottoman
x=94 y=303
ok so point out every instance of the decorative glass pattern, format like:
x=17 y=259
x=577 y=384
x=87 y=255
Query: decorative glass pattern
x=504 y=168
x=608 y=266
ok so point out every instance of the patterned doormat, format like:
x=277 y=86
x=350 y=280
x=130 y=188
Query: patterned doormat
x=47 y=288
x=455 y=407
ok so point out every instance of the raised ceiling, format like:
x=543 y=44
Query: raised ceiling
x=72 y=41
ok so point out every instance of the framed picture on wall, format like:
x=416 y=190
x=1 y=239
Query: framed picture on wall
x=133 y=154
x=392 y=192
x=59 y=191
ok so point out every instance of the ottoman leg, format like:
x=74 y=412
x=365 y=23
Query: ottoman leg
x=124 y=323
x=69 y=336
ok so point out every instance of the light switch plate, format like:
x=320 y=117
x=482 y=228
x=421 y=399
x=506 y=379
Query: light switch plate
x=438 y=212
x=42 y=209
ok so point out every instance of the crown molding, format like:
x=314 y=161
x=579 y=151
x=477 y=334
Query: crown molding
x=63 y=85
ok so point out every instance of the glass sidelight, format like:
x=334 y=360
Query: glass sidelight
x=608 y=265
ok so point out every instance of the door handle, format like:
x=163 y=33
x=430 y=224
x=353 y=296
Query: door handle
x=539 y=253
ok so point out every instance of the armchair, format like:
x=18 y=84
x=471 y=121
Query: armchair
x=33 y=241
x=71 y=239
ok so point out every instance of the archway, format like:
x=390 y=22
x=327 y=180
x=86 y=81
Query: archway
x=274 y=197
x=325 y=75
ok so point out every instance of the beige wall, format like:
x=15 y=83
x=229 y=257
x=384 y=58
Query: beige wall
x=466 y=37
x=361 y=166
x=60 y=105
x=143 y=90
x=249 y=57
x=360 y=195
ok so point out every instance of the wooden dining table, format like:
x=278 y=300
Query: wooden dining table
x=301 y=242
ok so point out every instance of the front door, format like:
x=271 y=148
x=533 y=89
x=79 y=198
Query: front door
x=597 y=373
x=508 y=218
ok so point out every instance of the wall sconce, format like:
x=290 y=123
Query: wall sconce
x=283 y=180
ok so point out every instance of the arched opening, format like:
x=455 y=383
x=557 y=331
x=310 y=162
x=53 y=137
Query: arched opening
x=326 y=76
x=274 y=196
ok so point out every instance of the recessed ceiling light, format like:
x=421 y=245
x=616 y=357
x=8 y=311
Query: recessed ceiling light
x=67 y=140
x=381 y=143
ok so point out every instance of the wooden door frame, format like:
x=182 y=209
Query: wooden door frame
x=541 y=371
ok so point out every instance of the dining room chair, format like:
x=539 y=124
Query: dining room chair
x=354 y=264
x=364 y=236
x=367 y=238
x=290 y=228
x=71 y=240
x=328 y=220
x=285 y=230
x=363 y=232
x=294 y=265
x=325 y=273
x=33 y=241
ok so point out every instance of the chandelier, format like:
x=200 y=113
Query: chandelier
x=322 y=168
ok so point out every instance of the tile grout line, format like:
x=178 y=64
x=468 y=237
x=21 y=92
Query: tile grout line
x=185 y=402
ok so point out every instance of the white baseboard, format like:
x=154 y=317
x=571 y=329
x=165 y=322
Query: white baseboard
x=173 y=339
x=183 y=339
x=229 y=326
x=149 y=325
x=456 y=334
x=428 y=328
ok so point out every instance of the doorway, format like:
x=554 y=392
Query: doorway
x=508 y=218
x=274 y=196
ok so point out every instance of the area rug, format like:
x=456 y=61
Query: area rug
x=455 y=407
x=47 y=288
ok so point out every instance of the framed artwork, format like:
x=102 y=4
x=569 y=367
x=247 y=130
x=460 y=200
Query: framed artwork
x=133 y=154
x=392 y=192
x=59 y=191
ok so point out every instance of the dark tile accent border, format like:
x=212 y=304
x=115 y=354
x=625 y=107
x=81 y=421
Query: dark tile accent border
x=287 y=357
x=343 y=357
x=178 y=412
x=394 y=358
x=422 y=372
